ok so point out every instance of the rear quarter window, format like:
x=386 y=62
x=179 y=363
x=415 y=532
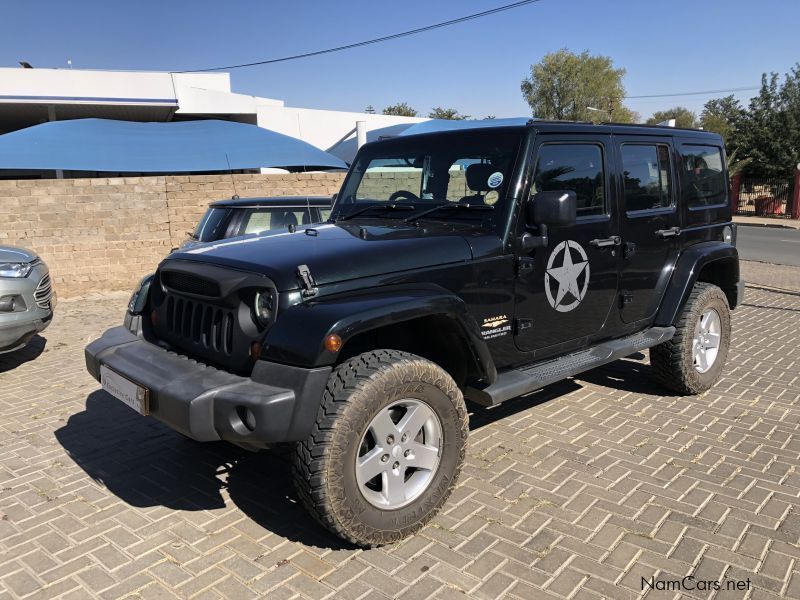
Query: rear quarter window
x=703 y=176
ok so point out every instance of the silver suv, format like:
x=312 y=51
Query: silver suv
x=26 y=297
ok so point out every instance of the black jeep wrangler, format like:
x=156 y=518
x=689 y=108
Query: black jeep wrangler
x=480 y=263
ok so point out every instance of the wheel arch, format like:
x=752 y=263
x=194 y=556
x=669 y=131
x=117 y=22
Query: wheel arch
x=709 y=262
x=428 y=321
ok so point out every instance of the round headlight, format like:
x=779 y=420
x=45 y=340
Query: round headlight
x=727 y=234
x=264 y=306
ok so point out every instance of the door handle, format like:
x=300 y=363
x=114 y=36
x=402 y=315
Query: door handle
x=614 y=240
x=668 y=233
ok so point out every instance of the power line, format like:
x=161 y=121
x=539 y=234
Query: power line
x=740 y=89
x=385 y=38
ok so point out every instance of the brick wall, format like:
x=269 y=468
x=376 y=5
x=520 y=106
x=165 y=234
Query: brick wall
x=106 y=233
x=382 y=184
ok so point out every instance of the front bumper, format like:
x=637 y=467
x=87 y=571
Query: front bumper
x=17 y=328
x=16 y=335
x=208 y=404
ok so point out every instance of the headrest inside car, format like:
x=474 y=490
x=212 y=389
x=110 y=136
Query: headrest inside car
x=478 y=176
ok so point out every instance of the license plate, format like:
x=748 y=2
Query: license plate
x=132 y=394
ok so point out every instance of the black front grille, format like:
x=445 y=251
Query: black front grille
x=190 y=284
x=193 y=323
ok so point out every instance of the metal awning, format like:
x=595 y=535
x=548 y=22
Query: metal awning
x=177 y=147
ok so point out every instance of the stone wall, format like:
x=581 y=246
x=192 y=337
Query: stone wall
x=106 y=233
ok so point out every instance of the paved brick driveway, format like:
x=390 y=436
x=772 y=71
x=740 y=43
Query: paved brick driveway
x=578 y=491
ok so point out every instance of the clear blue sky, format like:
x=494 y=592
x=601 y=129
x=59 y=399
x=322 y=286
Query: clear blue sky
x=476 y=67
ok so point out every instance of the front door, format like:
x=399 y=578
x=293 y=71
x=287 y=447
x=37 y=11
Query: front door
x=649 y=222
x=566 y=290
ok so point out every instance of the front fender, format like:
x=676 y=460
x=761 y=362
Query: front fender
x=685 y=274
x=298 y=335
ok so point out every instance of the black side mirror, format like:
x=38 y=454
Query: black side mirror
x=557 y=207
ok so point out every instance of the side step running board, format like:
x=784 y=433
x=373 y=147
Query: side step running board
x=516 y=382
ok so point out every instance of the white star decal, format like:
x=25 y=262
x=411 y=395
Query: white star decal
x=567 y=276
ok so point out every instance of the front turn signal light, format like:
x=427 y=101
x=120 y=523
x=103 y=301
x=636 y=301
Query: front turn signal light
x=333 y=343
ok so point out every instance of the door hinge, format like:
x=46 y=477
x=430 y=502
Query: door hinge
x=524 y=265
x=306 y=281
x=521 y=325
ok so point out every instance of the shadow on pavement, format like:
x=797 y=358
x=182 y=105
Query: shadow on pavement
x=12 y=360
x=626 y=375
x=144 y=463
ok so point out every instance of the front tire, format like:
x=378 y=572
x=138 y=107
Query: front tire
x=692 y=361
x=386 y=449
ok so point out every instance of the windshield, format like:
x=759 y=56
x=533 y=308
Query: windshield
x=210 y=226
x=471 y=169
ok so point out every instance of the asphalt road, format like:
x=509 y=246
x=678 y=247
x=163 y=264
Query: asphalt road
x=774 y=245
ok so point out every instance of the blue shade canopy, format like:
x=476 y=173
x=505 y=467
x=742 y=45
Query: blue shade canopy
x=458 y=124
x=181 y=146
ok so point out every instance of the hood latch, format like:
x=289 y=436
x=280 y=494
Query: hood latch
x=307 y=281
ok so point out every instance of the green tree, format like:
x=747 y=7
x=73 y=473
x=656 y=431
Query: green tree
x=722 y=116
x=565 y=85
x=446 y=113
x=401 y=109
x=683 y=117
x=769 y=131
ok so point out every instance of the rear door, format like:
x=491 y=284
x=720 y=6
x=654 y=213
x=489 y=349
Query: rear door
x=566 y=290
x=647 y=181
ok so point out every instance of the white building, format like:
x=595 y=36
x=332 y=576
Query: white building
x=29 y=96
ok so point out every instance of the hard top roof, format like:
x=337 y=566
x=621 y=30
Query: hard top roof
x=275 y=201
x=544 y=126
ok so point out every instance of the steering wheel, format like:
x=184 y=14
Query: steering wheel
x=403 y=194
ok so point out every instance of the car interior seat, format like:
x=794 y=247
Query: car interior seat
x=477 y=176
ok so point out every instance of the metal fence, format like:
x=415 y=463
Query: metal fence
x=765 y=197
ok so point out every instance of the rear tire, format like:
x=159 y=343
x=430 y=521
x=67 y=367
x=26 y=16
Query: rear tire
x=692 y=361
x=386 y=449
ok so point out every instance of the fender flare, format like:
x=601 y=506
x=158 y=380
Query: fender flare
x=298 y=335
x=685 y=274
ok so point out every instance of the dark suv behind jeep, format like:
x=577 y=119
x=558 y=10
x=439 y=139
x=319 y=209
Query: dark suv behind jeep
x=244 y=216
x=483 y=263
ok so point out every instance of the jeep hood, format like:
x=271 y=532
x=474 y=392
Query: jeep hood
x=339 y=252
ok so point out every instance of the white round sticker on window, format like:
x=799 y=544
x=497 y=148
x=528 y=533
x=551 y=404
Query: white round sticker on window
x=495 y=180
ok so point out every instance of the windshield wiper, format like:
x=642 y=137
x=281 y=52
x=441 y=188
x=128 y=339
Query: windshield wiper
x=448 y=207
x=364 y=209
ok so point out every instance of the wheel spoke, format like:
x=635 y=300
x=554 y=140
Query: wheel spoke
x=414 y=419
x=382 y=427
x=424 y=457
x=394 y=486
x=705 y=320
x=370 y=465
x=703 y=359
x=713 y=340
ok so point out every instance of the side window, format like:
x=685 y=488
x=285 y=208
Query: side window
x=576 y=167
x=703 y=175
x=646 y=177
x=324 y=214
x=257 y=220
